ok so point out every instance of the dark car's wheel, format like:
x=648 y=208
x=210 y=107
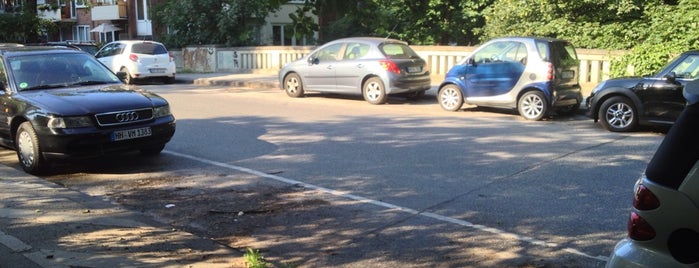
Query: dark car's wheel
x=568 y=110
x=293 y=85
x=450 y=98
x=618 y=114
x=374 y=92
x=415 y=95
x=28 y=151
x=532 y=105
x=169 y=80
x=128 y=79
x=151 y=151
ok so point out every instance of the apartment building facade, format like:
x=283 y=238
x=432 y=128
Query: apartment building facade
x=103 y=21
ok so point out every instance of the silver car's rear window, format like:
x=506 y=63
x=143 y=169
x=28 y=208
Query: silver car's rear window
x=397 y=51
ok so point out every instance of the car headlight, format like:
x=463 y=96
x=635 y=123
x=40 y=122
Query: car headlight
x=161 y=111
x=70 y=122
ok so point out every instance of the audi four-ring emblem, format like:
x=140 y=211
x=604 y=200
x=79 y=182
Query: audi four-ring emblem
x=126 y=117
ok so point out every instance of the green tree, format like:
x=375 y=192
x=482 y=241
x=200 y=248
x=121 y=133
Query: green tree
x=671 y=29
x=303 y=26
x=424 y=22
x=610 y=24
x=226 y=22
x=24 y=24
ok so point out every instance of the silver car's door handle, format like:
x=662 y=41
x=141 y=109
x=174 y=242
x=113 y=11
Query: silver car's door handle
x=360 y=65
x=330 y=67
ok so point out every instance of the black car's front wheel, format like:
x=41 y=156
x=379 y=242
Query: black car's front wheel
x=28 y=150
x=618 y=114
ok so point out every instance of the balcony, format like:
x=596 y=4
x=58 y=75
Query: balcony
x=109 y=12
x=49 y=13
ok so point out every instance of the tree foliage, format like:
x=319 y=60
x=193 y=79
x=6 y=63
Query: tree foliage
x=653 y=30
x=227 y=22
x=22 y=24
x=416 y=21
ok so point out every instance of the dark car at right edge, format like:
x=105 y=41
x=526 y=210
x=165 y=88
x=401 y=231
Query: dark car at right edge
x=624 y=104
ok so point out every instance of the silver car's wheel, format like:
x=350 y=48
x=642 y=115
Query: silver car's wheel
x=374 y=91
x=293 y=85
x=450 y=98
x=532 y=105
x=618 y=114
x=28 y=151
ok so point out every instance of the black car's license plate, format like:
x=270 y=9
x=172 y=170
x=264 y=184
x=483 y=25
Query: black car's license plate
x=131 y=134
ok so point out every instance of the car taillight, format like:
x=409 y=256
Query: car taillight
x=549 y=74
x=133 y=57
x=639 y=229
x=644 y=199
x=172 y=58
x=390 y=66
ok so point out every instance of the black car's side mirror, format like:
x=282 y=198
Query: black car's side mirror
x=122 y=75
x=670 y=77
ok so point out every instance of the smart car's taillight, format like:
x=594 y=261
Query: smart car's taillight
x=390 y=66
x=133 y=57
x=644 y=199
x=639 y=229
x=549 y=74
x=172 y=58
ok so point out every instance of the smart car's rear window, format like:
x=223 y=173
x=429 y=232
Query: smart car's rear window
x=148 y=48
x=397 y=51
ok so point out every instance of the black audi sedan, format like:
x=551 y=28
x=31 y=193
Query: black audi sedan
x=62 y=103
x=623 y=104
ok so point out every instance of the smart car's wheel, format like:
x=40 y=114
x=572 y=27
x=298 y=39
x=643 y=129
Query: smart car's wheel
x=128 y=79
x=28 y=151
x=450 y=98
x=618 y=114
x=374 y=91
x=532 y=105
x=293 y=85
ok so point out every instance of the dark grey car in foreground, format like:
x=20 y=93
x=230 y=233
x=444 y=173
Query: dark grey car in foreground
x=370 y=66
x=60 y=102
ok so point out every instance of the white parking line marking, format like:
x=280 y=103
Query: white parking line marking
x=438 y=217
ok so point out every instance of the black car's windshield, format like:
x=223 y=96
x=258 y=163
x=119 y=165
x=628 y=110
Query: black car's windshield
x=58 y=70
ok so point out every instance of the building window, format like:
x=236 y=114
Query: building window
x=283 y=35
x=82 y=33
x=279 y=36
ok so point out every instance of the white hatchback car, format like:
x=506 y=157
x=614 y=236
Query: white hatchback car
x=138 y=59
x=663 y=225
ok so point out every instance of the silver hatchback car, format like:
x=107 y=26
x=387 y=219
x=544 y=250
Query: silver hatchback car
x=371 y=66
x=663 y=225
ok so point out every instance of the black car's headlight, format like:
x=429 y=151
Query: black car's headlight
x=70 y=122
x=161 y=111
